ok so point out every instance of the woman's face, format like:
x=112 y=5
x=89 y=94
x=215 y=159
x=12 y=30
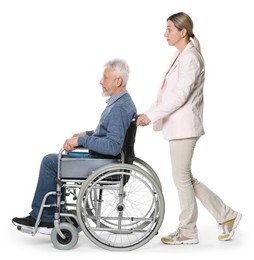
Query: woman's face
x=172 y=34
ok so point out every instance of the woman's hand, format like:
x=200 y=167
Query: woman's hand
x=143 y=120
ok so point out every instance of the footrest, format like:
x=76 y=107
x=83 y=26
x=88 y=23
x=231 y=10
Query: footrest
x=28 y=230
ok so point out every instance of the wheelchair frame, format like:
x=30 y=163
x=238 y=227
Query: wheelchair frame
x=120 y=204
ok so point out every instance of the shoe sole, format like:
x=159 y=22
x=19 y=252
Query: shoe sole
x=41 y=230
x=45 y=231
x=184 y=242
x=236 y=222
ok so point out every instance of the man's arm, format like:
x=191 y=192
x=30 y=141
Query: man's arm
x=111 y=143
x=71 y=143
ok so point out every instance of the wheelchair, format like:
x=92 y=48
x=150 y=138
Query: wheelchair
x=117 y=203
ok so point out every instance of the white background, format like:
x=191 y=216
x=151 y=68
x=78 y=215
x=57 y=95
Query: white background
x=51 y=60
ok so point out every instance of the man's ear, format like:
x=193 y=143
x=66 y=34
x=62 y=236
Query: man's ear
x=119 y=82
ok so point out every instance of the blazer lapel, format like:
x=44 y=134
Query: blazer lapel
x=171 y=66
x=174 y=62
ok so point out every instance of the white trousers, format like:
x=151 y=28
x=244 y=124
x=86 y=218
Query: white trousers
x=189 y=189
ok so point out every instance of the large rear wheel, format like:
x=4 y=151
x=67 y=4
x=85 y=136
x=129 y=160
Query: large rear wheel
x=120 y=207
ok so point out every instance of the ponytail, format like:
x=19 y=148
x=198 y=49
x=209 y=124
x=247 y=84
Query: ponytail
x=196 y=42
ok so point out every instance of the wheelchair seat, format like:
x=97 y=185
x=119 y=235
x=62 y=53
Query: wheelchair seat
x=79 y=164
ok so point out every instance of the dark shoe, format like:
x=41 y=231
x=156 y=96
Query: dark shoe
x=20 y=222
x=44 y=227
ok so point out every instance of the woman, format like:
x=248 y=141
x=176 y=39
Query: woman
x=178 y=112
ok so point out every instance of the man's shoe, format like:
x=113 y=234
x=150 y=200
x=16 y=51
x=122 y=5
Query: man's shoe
x=177 y=238
x=29 y=222
x=24 y=222
x=228 y=228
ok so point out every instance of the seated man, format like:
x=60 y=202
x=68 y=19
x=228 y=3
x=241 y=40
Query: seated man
x=106 y=141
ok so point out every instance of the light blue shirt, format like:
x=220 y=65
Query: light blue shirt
x=108 y=137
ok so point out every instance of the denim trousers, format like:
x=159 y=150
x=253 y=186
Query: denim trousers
x=189 y=188
x=46 y=183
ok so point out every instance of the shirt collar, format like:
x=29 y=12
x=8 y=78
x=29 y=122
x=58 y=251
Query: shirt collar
x=111 y=100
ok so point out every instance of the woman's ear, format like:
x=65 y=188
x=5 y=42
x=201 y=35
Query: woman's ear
x=183 y=33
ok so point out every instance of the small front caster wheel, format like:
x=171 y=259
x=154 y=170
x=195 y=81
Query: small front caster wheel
x=71 y=237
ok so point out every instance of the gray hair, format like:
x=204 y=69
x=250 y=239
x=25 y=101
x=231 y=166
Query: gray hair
x=120 y=68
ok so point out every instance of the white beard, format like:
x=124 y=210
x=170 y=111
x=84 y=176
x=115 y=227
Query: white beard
x=105 y=94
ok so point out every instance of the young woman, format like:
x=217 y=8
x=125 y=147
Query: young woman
x=178 y=112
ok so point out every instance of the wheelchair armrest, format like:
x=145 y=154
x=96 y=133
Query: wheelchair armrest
x=79 y=151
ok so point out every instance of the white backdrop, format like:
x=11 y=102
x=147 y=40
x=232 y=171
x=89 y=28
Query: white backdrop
x=51 y=60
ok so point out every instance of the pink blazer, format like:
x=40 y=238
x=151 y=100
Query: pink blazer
x=178 y=110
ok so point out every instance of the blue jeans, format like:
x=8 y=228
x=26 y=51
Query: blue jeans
x=46 y=183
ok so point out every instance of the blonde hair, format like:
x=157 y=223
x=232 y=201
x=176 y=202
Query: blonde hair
x=182 y=21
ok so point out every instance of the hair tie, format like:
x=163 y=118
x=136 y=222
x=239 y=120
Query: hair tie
x=192 y=35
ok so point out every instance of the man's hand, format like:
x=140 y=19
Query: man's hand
x=70 y=144
x=79 y=134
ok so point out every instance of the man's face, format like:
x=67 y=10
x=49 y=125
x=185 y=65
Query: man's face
x=108 y=83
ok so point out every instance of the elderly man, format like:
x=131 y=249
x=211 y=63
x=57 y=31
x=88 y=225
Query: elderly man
x=106 y=141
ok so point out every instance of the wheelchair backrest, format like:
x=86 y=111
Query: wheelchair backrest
x=128 y=153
